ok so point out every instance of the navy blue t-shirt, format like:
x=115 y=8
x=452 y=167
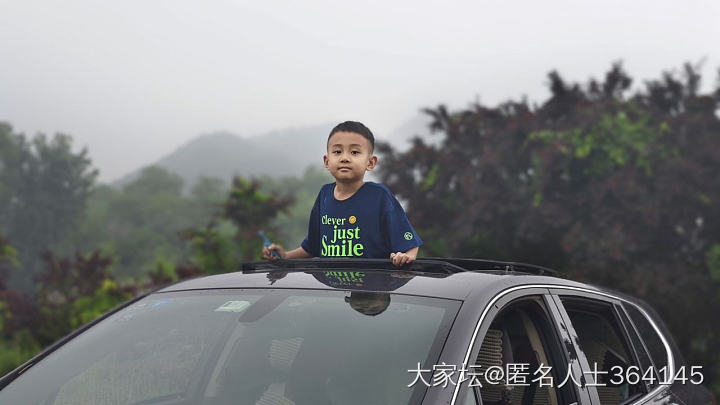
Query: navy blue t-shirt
x=371 y=224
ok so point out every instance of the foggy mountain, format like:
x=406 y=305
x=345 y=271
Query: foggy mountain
x=277 y=153
x=224 y=155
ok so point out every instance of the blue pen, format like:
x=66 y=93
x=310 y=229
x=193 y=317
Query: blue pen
x=267 y=243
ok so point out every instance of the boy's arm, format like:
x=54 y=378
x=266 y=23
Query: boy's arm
x=298 y=253
x=402 y=258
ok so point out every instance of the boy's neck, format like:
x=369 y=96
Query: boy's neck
x=343 y=191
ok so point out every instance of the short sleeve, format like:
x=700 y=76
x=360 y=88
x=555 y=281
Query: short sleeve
x=311 y=244
x=400 y=233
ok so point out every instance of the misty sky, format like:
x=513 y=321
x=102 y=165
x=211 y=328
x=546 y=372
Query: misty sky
x=133 y=80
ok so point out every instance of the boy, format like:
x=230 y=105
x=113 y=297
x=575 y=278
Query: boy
x=352 y=218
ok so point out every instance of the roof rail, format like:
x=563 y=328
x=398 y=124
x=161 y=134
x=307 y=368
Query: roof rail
x=336 y=263
x=496 y=265
x=432 y=265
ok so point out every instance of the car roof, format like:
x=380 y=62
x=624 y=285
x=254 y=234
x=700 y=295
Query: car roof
x=447 y=278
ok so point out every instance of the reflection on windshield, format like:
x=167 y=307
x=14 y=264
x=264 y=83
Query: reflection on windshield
x=368 y=303
x=267 y=347
x=360 y=280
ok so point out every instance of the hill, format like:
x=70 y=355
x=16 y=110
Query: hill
x=223 y=155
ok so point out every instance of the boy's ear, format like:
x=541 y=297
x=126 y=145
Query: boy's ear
x=372 y=162
x=325 y=161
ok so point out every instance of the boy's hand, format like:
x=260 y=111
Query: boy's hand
x=402 y=258
x=268 y=255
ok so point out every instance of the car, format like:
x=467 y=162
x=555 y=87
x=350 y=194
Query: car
x=362 y=332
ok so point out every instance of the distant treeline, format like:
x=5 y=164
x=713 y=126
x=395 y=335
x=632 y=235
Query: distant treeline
x=600 y=181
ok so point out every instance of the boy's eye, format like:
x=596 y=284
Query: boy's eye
x=355 y=152
x=337 y=152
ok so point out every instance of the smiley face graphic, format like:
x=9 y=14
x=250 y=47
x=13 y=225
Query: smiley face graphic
x=352 y=219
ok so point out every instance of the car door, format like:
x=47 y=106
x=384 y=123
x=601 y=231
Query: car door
x=518 y=334
x=622 y=365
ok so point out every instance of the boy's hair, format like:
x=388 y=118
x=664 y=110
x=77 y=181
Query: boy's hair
x=368 y=303
x=355 y=127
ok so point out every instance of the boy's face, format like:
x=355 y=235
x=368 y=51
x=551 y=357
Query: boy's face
x=349 y=156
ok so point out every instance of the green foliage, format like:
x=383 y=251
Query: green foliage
x=232 y=237
x=71 y=292
x=164 y=272
x=8 y=261
x=712 y=258
x=3 y=314
x=431 y=178
x=11 y=302
x=16 y=351
x=213 y=251
x=8 y=254
x=612 y=142
x=106 y=297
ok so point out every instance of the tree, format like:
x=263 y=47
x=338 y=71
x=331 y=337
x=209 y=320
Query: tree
x=231 y=237
x=214 y=251
x=155 y=180
x=621 y=189
x=251 y=210
x=43 y=189
x=74 y=292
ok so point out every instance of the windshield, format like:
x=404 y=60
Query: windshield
x=246 y=347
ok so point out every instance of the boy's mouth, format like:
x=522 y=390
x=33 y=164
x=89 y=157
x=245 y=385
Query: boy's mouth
x=344 y=168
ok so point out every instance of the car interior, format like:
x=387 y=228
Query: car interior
x=517 y=336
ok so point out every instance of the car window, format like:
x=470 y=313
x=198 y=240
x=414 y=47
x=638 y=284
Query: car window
x=652 y=341
x=470 y=398
x=259 y=347
x=642 y=356
x=521 y=342
x=617 y=375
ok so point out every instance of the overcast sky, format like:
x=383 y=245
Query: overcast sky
x=133 y=80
